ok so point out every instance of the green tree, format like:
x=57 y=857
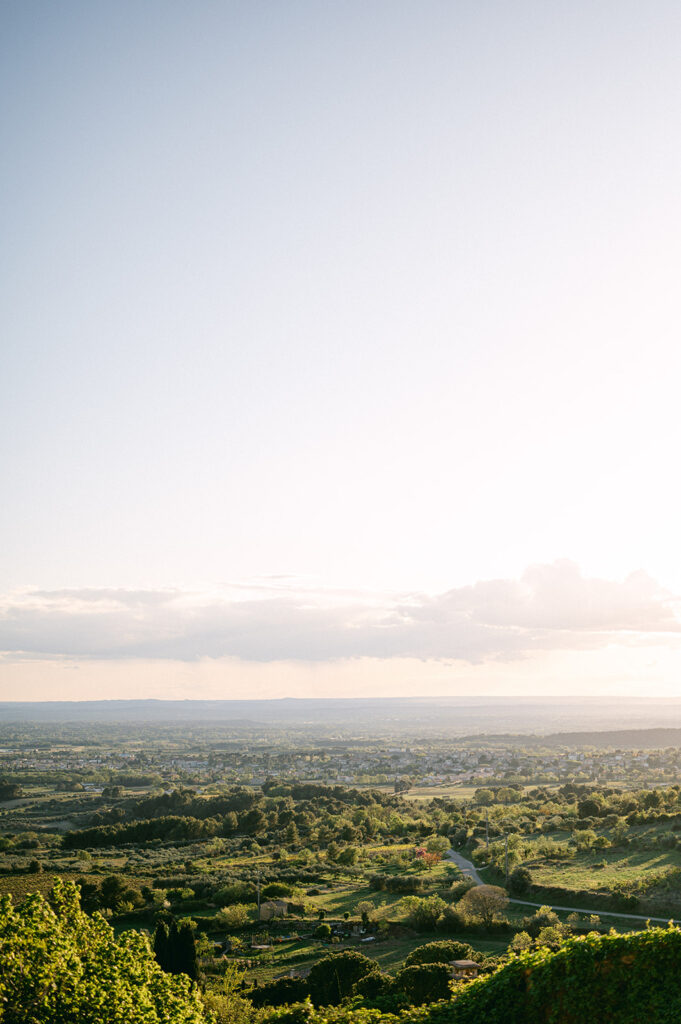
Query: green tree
x=519 y=881
x=227 y=1002
x=373 y=984
x=108 y=979
x=348 y=856
x=291 y=835
x=438 y=844
x=254 y=822
x=423 y=983
x=233 y=917
x=230 y=823
x=551 y=937
x=113 y=890
x=89 y=894
x=423 y=912
x=280 y=992
x=174 y=959
x=276 y=890
x=332 y=978
x=520 y=943
x=365 y=908
x=486 y=902
x=186 y=958
x=161 y=951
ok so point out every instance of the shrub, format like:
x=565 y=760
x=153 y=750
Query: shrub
x=439 y=952
x=588 y=809
x=397 y=883
x=542 y=918
x=460 y=888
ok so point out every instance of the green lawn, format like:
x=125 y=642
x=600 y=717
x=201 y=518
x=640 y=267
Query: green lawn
x=346 y=897
x=584 y=872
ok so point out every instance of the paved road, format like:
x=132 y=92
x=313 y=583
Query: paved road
x=601 y=913
x=469 y=869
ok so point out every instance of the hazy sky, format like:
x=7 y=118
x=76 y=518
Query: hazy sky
x=340 y=347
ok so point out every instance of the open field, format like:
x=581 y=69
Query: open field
x=603 y=868
x=452 y=791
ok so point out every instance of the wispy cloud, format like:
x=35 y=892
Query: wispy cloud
x=550 y=607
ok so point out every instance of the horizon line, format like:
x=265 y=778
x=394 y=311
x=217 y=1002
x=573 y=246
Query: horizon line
x=582 y=698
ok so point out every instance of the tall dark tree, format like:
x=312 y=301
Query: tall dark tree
x=187 y=961
x=161 y=945
x=174 y=961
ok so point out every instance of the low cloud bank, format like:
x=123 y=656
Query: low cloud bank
x=550 y=607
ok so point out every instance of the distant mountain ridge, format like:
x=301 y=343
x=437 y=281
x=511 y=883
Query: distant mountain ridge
x=555 y=719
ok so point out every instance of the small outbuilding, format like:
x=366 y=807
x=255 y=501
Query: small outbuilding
x=462 y=970
x=273 y=908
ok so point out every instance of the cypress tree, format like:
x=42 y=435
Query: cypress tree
x=187 y=960
x=161 y=945
x=174 y=951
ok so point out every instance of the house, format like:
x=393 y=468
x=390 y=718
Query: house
x=462 y=970
x=273 y=908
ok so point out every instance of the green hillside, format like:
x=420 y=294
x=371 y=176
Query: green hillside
x=618 y=979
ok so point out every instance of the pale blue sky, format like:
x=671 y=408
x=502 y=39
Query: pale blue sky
x=381 y=296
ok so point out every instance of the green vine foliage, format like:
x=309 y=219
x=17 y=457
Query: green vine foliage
x=60 y=966
x=620 y=978
x=599 y=979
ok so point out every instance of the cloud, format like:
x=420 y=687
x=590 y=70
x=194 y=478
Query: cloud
x=550 y=607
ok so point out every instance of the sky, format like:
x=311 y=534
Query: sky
x=339 y=348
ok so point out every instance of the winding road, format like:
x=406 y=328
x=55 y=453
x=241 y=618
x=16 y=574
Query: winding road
x=466 y=867
x=469 y=870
